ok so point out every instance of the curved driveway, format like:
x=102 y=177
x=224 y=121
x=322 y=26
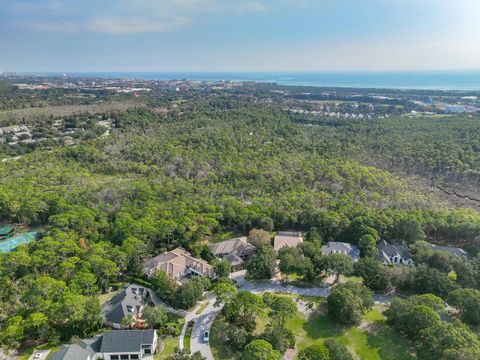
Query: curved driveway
x=204 y=321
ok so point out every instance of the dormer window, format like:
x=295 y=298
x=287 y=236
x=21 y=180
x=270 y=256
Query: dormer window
x=130 y=308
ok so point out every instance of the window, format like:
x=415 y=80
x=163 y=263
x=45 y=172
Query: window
x=147 y=351
x=130 y=308
x=133 y=356
x=124 y=357
x=113 y=357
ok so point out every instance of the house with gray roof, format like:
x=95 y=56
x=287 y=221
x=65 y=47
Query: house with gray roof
x=449 y=249
x=235 y=251
x=333 y=247
x=128 y=344
x=112 y=345
x=85 y=350
x=397 y=254
x=131 y=301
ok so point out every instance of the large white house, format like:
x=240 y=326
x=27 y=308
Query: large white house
x=112 y=345
x=394 y=254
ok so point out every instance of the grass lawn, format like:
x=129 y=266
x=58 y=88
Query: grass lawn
x=374 y=340
x=188 y=336
x=52 y=346
x=343 y=279
x=103 y=298
x=171 y=343
x=202 y=307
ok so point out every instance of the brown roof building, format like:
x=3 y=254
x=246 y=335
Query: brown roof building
x=177 y=264
x=287 y=238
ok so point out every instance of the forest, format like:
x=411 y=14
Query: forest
x=164 y=179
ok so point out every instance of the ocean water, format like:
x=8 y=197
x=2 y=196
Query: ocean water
x=427 y=80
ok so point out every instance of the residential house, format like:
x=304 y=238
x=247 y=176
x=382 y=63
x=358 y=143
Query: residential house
x=451 y=250
x=128 y=344
x=177 y=264
x=394 y=253
x=333 y=247
x=287 y=238
x=131 y=301
x=112 y=345
x=235 y=251
x=88 y=349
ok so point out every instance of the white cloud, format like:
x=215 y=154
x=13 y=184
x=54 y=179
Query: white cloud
x=128 y=16
x=54 y=26
x=117 y=25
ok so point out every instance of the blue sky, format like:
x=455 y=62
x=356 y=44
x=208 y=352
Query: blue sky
x=239 y=35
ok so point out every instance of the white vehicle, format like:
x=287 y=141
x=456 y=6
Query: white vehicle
x=205 y=336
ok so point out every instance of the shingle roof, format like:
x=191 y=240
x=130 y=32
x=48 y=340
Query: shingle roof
x=334 y=247
x=232 y=250
x=116 y=309
x=452 y=250
x=387 y=251
x=126 y=340
x=80 y=351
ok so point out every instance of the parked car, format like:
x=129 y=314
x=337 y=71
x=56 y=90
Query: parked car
x=205 y=336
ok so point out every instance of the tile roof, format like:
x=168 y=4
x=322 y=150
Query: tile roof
x=285 y=238
x=175 y=262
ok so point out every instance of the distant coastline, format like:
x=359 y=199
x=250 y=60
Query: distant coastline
x=408 y=80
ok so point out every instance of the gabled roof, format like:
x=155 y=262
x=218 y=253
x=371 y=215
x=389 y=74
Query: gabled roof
x=115 y=341
x=333 y=247
x=387 y=251
x=287 y=238
x=80 y=351
x=176 y=261
x=116 y=309
x=237 y=246
x=452 y=250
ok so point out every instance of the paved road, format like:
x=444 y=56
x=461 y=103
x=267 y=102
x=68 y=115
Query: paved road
x=204 y=321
